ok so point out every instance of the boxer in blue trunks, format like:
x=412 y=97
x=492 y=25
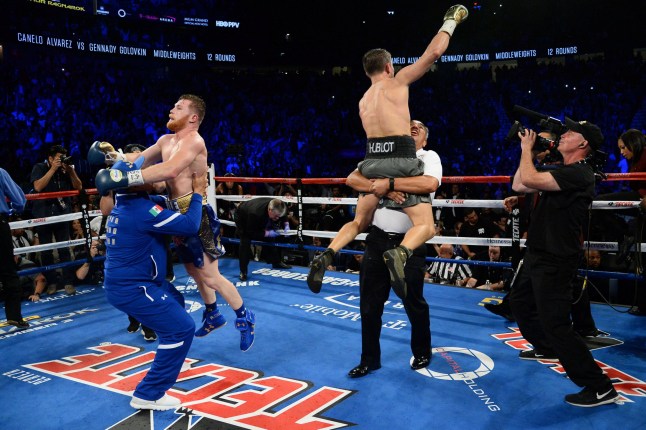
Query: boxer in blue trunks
x=135 y=283
x=191 y=249
x=183 y=153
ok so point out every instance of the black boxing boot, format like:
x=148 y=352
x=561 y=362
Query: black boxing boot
x=317 y=270
x=396 y=259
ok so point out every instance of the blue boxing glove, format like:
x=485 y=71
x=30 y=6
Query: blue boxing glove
x=271 y=233
x=121 y=175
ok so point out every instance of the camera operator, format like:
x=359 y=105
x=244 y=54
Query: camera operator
x=541 y=298
x=55 y=174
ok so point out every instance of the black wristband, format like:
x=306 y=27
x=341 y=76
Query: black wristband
x=391 y=181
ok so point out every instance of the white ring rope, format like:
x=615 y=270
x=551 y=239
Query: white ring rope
x=444 y=203
x=51 y=219
x=48 y=246
x=453 y=240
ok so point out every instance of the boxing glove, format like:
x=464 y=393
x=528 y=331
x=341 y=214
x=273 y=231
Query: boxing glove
x=454 y=16
x=121 y=175
x=103 y=153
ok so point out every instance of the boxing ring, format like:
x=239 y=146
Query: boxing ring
x=76 y=365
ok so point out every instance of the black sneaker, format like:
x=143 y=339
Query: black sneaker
x=133 y=326
x=531 y=354
x=149 y=335
x=21 y=323
x=501 y=309
x=590 y=397
x=594 y=333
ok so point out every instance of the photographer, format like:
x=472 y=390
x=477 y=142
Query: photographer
x=90 y=272
x=541 y=298
x=55 y=174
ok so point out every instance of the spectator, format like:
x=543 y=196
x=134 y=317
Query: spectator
x=448 y=273
x=473 y=226
x=77 y=231
x=489 y=277
x=227 y=209
x=90 y=272
x=607 y=225
x=24 y=237
x=451 y=215
x=353 y=261
x=34 y=284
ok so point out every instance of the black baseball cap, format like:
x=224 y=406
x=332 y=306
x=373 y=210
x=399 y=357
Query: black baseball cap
x=132 y=147
x=590 y=132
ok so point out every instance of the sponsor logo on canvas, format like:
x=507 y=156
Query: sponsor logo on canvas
x=212 y=395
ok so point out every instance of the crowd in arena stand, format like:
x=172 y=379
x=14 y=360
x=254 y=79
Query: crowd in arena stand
x=302 y=124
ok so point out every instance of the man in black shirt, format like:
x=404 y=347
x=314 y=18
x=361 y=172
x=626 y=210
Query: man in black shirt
x=541 y=298
x=260 y=219
x=474 y=226
x=55 y=174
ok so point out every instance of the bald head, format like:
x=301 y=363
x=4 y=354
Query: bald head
x=446 y=250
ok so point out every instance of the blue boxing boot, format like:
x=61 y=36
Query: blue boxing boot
x=246 y=324
x=212 y=320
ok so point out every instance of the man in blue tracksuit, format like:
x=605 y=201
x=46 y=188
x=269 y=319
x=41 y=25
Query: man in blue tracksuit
x=135 y=283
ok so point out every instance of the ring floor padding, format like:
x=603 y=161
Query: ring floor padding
x=76 y=367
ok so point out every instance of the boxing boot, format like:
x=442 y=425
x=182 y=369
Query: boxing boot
x=210 y=321
x=395 y=260
x=317 y=270
x=246 y=325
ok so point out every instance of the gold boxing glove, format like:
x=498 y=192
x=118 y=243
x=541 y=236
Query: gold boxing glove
x=111 y=155
x=454 y=16
x=106 y=147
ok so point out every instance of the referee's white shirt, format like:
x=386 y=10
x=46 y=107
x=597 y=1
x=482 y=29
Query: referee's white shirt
x=395 y=221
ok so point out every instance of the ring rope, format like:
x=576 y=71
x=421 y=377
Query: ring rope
x=446 y=203
x=51 y=219
x=49 y=246
x=453 y=240
x=445 y=179
x=314 y=181
x=60 y=265
x=583 y=272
